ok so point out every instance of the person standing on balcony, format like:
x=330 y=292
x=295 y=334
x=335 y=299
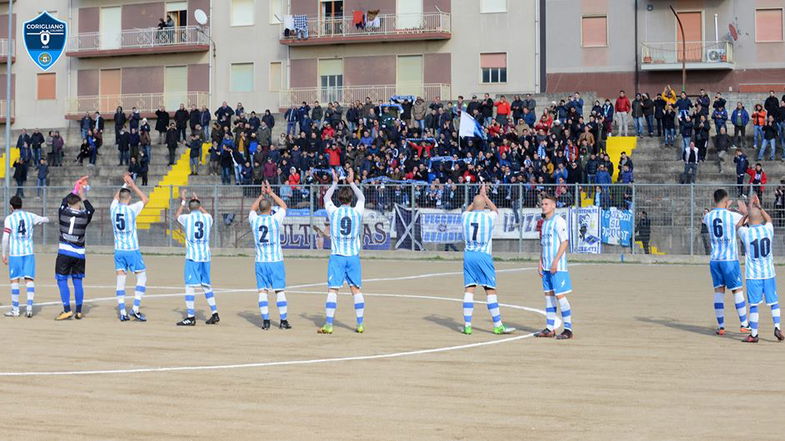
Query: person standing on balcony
x=621 y=113
x=758 y=121
x=740 y=118
x=181 y=118
x=161 y=122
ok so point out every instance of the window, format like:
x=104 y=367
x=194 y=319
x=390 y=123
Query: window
x=47 y=86
x=241 y=77
x=768 y=25
x=276 y=11
x=276 y=76
x=493 y=67
x=493 y=6
x=594 y=31
x=179 y=12
x=242 y=12
x=331 y=79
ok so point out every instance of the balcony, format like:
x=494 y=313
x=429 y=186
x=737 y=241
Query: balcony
x=147 y=103
x=139 y=42
x=350 y=94
x=5 y=49
x=699 y=55
x=391 y=27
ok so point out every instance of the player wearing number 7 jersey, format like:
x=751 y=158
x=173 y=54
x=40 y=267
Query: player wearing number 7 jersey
x=346 y=228
x=18 y=237
x=724 y=264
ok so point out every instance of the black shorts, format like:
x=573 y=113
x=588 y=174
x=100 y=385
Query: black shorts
x=69 y=266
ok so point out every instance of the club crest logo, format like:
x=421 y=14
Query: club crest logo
x=45 y=39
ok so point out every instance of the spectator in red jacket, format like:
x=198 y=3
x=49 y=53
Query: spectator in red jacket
x=758 y=179
x=502 y=110
x=333 y=156
x=622 y=113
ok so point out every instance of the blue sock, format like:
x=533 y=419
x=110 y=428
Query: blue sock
x=65 y=293
x=78 y=293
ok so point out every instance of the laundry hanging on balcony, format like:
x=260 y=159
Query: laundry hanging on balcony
x=373 y=21
x=358 y=19
x=301 y=26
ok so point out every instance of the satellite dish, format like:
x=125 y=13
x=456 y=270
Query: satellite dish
x=201 y=17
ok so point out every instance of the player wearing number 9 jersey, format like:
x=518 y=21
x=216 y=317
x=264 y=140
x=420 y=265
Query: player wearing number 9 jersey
x=724 y=264
x=346 y=229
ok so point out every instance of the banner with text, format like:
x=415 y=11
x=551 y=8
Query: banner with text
x=617 y=227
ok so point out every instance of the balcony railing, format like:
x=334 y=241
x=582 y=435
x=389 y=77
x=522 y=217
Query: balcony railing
x=350 y=94
x=431 y=25
x=698 y=55
x=145 y=102
x=140 y=41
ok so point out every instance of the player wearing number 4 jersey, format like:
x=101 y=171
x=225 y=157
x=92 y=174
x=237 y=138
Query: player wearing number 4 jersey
x=346 y=228
x=757 y=233
x=269 y=268
x=724 y=265
x=196 y=227
x=478 y=221
x=18 y=253
x=127 y=256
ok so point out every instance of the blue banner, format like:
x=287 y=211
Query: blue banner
x=617 y=226
x=45 y=38
x=585 y=231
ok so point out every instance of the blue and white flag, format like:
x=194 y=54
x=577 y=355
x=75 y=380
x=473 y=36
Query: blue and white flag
x=617 y=226
x=470 y=127
x=45 y=38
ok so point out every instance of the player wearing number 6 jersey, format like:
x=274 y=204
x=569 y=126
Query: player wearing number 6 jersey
x=196 y=227
x=127 y=256
x=757 y=233
x=724 y=264
x=346 y=228
x=18 y=238
x=269 y=268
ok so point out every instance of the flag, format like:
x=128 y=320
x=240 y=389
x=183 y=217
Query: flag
x=470 y=127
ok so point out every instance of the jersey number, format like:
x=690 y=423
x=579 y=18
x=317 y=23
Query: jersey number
x=346 y=226
x=21 y=229
x=761 y=248
x=119 y=221
x=716 y=227
x=263 y=230
x=71 y=225
x=199 y=233
x=475 y=227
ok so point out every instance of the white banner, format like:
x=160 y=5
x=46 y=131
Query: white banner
x=440 y=226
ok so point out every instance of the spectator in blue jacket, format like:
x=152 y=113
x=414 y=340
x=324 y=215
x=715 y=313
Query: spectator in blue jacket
x=204 y=120
x=292 y=118
x=739 y=118
x=742 y=164
x=720 y=117
x=683 y=106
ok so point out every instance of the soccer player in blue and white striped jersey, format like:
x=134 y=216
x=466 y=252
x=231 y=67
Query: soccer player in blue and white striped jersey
x=346 y=229
x=18 y=253
x=270 y=272
x=196 y=227
x=724 y=265
x=556 y=282
x=127 y=256
x=478 y=269
x=757 y=233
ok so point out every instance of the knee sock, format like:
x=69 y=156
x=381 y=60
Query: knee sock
x=775 y=315
x=15 y=296
x=741 y=307
x=280 y=302
x=754 y=320
x=263 y=305
x=566 y=314
x=30 y=295
x=493 y=308
x=359 y=307
x=121 y=294
x=141 y=288
x=210 y=297
x=189 y=301
x=78 y=293
x=329 y=307
x=719 y=308
x=550 y=312
x=468 y=308
x=65 y=293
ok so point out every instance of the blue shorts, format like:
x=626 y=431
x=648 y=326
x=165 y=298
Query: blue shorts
x=758 y=289
x=21 y=267
x=478 y=269
x=727 y=274
x=197 y=273
x=271 y=275
x=344 y=269
x=129 y=261
x=559 y=283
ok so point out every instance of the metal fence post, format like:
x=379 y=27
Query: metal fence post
x=692 y=218
x=215 y=214
x=169 y=217
x=411 y=218
x=311 y=244
x=634 y=217
x=577 y=202
x=520 y=218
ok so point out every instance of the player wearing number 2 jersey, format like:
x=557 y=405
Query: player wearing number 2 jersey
x=724 y=265
x=346 y=229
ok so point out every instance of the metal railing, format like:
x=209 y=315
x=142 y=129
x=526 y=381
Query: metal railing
x=140 y=38
x=145 y=102
x=382 y=25
x=6 y=48
x=349 y=94
x=707 y=52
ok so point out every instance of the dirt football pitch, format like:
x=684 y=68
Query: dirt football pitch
x=644 y=365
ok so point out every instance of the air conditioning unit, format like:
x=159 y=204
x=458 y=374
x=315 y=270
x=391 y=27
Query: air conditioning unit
x=715 y=55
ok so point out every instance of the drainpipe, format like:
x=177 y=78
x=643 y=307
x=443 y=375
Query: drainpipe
x=637 y=57
x=543 y=52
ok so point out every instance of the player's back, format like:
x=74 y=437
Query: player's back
x=266 y=229
x=759 y=258
x=721 y=224
x=346 y=224
x=123 y=218
x=20 y=228
x=197 y=235
x=478 y=230
x=554 y=232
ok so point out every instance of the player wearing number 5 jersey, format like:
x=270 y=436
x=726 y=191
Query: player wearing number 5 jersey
x=18 y=253
x=196 y=226
x=346 y=229
x=269 y=267
x=757 y=233
x=724 y=264
x=127 y=256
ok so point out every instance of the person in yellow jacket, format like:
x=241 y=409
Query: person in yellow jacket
x=669 y=95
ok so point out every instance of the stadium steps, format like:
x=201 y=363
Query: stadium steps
x=14 y=157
